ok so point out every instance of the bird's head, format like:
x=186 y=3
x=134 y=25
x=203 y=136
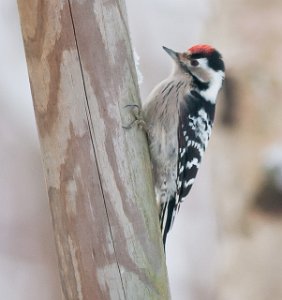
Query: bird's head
x=203 y=62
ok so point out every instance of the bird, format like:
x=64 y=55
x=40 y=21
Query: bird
x=179 y=116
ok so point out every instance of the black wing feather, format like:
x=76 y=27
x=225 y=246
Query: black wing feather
x=190 y=152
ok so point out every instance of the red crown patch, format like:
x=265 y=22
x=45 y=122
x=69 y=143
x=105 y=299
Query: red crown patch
x=207 y=49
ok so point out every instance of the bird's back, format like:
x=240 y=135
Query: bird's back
x=162 y=119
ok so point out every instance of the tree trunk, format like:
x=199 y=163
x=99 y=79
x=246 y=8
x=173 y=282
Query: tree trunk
x=98 y=175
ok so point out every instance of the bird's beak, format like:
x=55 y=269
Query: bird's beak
x=171 y=53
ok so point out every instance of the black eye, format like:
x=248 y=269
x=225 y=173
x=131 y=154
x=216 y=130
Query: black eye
x=194 y=63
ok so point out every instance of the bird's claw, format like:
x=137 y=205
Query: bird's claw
x=137 y=113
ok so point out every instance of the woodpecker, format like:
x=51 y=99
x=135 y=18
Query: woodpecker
x=179 y=115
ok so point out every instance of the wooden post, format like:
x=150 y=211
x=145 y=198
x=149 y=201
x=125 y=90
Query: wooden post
x=98 y=174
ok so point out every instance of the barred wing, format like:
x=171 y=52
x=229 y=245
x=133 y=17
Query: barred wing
x=194 y=129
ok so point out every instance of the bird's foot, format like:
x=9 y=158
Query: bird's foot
x=139 y=120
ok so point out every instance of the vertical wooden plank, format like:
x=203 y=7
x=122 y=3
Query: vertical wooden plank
x=98 y=175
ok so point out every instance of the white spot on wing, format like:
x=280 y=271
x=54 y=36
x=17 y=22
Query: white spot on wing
x=194 y=162
x=189 y=182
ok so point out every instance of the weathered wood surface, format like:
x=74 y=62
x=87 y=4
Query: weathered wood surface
x=98 y=175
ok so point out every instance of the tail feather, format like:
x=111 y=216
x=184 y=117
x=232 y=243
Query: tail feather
x=167 y=214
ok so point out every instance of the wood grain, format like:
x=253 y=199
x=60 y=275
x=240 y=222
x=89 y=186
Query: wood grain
x=98 y=174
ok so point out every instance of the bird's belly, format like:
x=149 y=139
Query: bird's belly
x=164 y=147
x=164 y=153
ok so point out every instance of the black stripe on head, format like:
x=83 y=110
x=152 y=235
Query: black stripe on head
x=202 y=86
x=214 y=59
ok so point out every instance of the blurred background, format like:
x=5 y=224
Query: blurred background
x=226 y=243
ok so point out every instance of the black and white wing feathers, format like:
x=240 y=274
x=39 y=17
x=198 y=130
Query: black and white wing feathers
x=194 y=129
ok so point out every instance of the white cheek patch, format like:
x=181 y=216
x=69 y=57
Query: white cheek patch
x=215 y=84
x=203 y=62
x=201 y=71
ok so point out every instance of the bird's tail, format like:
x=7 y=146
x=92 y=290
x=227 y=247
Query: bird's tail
x=167 y=213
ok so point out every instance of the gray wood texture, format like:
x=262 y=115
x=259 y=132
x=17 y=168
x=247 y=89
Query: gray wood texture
x=98 y=175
